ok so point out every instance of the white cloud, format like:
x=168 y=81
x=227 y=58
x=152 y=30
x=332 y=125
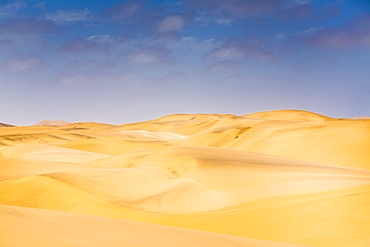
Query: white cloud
x=69 y=16
x=294 y=3
x=189 y=39
x=16 y=5
x=92 y=43
x=106 y=40
x=192 y=47
x=227 y=52
x=209 y=20
x=11 y=9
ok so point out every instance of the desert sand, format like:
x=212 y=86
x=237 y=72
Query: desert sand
x=277 y=178
x=6 y=125
x=52 y=123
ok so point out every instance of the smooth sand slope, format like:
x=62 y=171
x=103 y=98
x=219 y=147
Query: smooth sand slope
x=287 y=176
x=50 y=228
x=337 y=142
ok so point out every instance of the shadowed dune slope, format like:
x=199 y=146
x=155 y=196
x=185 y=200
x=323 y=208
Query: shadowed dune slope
x=6 y=125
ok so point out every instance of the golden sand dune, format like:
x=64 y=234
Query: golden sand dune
x=111 y=146
x=119 y=134
x=190 y=124
x=50 y=228
x=362 y=117
x=50 y=153
x=191 y=180
x=18 y=168
x=290 y=115
x=286 y=176
x=39 y=135
x=52 y=123
x=336 y=142
x=6 y=125
x=30 y=138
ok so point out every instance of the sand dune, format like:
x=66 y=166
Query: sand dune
x=52 y=123
x=6 y=125
x=290 y=115
x=49 y=228
x=362 y=117
x=190 y=180
x=11 y=168
x=286 y=176
x=337 y=142
x=111 y=146
x=50 y=153
x=190 y=124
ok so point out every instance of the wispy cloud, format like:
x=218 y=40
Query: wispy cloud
x=69 y=16
x=22 y=63
x=151 y=55
x=299 y=12
x=92 y=43
x=227 y=66
x=310 y=11
x=11 y=9
x=126 y=11
x=236 y=8
x=355 y=33
x=41 y=5
x=78 y=45
x=27 y=26
x=237 y=49
x=135 y=16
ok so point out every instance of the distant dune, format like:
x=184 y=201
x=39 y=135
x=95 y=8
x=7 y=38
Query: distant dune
x=361 y=117
x=52 y=123
x=290 y=115
x=6 y=125
x=277 y=178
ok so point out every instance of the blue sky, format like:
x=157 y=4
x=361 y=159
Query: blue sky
x=126 y=61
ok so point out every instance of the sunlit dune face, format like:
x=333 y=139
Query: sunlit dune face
x=286 y=178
